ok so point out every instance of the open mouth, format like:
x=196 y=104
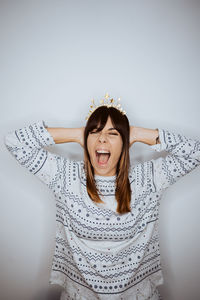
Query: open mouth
x=102 y=157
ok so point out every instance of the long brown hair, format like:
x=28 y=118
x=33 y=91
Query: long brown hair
x=98 y=121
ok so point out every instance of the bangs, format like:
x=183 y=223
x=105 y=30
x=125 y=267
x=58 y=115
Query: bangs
x=99 y=119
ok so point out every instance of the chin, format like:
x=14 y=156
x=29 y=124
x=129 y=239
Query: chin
x=103 y=172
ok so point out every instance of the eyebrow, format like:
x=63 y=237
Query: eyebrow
x=112 y=128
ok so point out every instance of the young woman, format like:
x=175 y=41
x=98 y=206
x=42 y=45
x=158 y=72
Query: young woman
x=107 y=243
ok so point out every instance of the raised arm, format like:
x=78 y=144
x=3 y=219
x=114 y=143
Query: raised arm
x=183 y=157
x=27 y=146
x=183 y=154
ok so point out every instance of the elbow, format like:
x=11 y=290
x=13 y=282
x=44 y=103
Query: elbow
x=6 y=140
x=9 y=140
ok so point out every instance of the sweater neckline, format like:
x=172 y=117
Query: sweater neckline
x=107 y=178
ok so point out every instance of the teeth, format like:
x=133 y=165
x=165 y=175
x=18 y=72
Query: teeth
x=102 y=151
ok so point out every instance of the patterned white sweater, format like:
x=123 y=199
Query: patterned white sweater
x=100 y=254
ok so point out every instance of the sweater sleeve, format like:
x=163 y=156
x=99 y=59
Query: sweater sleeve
x=27 y=147
x=183 y=156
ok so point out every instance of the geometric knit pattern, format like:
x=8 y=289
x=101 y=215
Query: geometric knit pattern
x=100 y=254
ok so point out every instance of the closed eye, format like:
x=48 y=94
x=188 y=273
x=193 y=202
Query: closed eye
x=111 y=133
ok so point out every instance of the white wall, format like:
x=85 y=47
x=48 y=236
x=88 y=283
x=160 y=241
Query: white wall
x=56 y=56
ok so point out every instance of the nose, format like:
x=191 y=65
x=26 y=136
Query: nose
x=102 y=137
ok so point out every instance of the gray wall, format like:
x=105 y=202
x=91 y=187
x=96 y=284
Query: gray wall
x=56 y=56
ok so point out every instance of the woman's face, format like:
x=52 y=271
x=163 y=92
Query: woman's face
x=107 y=140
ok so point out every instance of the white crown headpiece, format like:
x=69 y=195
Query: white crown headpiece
x=106 y=101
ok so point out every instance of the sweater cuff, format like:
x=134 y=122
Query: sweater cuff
x=162 y=146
